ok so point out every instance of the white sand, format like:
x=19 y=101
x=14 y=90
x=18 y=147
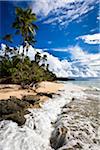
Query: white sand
x=15 y=90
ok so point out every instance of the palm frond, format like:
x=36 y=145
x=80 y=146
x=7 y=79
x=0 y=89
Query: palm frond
x=34 y=26
x=19 y=11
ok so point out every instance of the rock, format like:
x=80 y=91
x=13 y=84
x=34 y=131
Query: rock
x=12 y=106
x=73 y=99
x=14 y=109
x=31 y=98
x=58 y=138
x=17 y=117
x=77 y=146
x=50 y=95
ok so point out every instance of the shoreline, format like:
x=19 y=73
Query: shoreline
x=71 y=112
x=15 y=101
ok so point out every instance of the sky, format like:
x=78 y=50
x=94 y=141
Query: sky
x=65 y=26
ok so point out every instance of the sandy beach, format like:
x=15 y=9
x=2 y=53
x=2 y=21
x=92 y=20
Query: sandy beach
x=15 y=90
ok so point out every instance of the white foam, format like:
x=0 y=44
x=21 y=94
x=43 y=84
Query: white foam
x=35 y=134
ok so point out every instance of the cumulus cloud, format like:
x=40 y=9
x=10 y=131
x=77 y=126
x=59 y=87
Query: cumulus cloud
x=63 y=11
x=84 y=64
x=75 y=51
x=82 y=56
x=90 y=39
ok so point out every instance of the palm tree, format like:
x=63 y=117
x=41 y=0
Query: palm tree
x=37 y=57
x=25 y=27
x=44 y=59
x=47 y=67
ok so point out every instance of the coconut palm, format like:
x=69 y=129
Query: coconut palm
x=47 y=67
x=44 y=59
x=37 y=57
x=25 y=27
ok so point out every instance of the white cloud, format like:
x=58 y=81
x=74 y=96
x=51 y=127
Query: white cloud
x=75 y=51
x=82 y=55
x=60 y=49
x=84 y=64
x=98 y=17
x=82 y=61
x=63 y=11
x=49 y=42
x=90 y=39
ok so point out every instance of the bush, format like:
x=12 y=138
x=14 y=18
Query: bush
x=14 y=70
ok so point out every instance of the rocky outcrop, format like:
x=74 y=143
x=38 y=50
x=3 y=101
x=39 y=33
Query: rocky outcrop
x=78 y=122
x=14 y=109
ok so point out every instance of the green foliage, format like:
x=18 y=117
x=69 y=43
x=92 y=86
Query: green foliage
x=24 y=26
x=22 y=72
x=18 y=68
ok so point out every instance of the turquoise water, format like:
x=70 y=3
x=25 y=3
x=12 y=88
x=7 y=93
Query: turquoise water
x=90 y=82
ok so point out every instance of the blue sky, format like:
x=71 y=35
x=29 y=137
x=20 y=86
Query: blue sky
x=62 y=24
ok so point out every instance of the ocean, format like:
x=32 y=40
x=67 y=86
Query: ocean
x=92 y=82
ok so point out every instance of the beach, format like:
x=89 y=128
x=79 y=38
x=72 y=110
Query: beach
x=15 y=90
x=69 y=120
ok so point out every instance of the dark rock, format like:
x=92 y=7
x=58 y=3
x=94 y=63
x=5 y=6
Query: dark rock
x=17 y=117
x=73 y=99
x=77 y=146
x=58 y=138
x=12 y=106
x=31 y=98
x=14 y=109
x=50 y=95
x=95 y=141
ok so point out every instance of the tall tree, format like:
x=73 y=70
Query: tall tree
x=24 y=27
x=37 y=57
x=44 y=59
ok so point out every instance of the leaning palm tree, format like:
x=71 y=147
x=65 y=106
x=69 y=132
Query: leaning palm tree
x=44 y=59
x=25 y=27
